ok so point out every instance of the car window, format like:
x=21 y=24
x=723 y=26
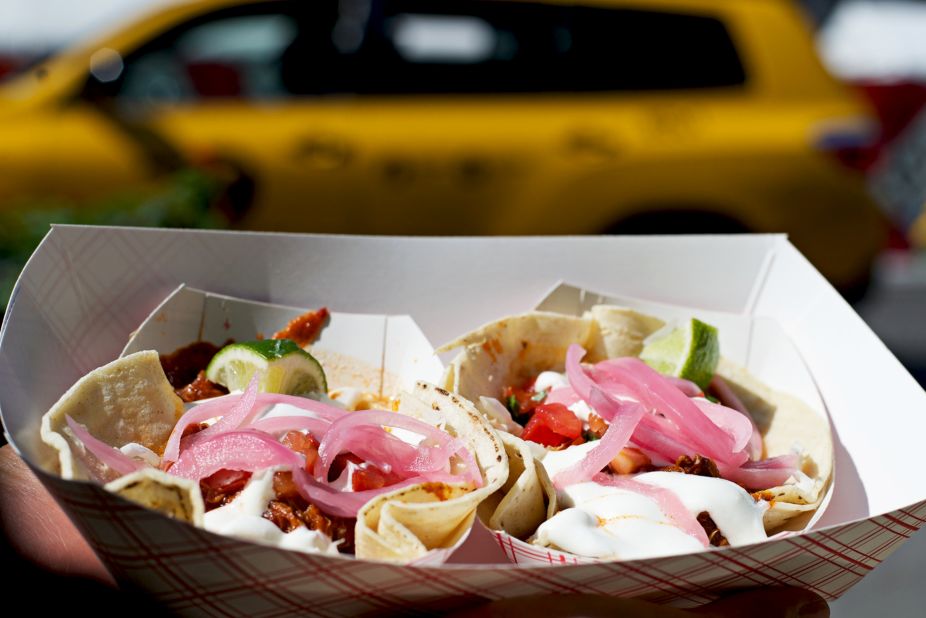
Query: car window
x=496 y=46
x=398 y=47
x=234 y=56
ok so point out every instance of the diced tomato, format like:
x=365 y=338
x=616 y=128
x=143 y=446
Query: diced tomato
x=284 y=486
x=521 y=402
x=221 y=487
x=302 y=443
x=227 y=480
x=371 y=477
x=596 y=425
x=552 y=424
x=628 y=461
x=340 y=464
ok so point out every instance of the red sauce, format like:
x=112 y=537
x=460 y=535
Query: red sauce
x=183 y=365
x=305 y=328
x=201 y=388
x=222 y=487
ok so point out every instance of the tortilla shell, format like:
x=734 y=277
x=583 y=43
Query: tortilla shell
x=503 y=353
x=128 y=400
x=785 y=422
x=174 y=496
x=527 y=499
x=403 y=525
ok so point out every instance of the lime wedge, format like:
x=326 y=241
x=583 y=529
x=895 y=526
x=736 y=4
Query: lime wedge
x=687 y=350
x=286 y=368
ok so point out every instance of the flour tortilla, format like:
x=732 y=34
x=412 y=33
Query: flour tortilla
x=130 y=400
x=516 y=349
x=404 y=525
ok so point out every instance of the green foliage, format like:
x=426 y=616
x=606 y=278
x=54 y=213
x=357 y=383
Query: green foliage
x=185 y=199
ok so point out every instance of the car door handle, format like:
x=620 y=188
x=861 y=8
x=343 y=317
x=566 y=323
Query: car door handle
x=323 y=151
x=592 y=144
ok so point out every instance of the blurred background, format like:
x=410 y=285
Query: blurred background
x=485 y=117
x=481 y=117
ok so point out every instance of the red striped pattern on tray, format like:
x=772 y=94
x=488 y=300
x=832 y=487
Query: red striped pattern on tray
x=191 y=571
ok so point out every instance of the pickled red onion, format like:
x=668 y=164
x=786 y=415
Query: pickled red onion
x=108 y=455
x=470 y=467
x=762 y=474
x=668 y=502
x=241 y=413
x=324 y=411
x=729 y=399
x=733 y=423
x=339 y=436
x=653 y=391
x=232 y=411
x=247 y=450
x=564 y=395
x=624 y=420
x=346 y=504
x=686 y=386
x=222 y=406
x=580 y=382
x=384 y=450
x=659 y=440
x=279 y=424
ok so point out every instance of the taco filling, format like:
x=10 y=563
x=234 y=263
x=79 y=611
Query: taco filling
x=629 y=462
x=315 y=471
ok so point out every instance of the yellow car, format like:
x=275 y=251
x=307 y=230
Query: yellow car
x=465 y=117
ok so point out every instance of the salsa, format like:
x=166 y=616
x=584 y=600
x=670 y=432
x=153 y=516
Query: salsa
x=305 y=328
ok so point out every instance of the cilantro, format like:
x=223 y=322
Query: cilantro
x=590 y=437
x=513 y=406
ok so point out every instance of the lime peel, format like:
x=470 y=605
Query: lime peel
x=689 y=350
x=284 y=367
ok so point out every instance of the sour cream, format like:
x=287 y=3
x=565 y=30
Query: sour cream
x=608 y=522
x=242 y=518
x=551 y=380
x=737 y=515
x=555 y=462
x=141 y=453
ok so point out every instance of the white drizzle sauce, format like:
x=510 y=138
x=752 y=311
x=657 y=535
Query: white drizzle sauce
x=241 y=518
x=738 y=516
x=607 y=522
x=141 y=453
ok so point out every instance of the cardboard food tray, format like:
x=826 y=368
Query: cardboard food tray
x=87 y=289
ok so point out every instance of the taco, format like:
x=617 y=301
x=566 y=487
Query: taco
x=611 y=459
x=289 y=471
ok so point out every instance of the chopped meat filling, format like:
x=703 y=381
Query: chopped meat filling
x=699 y=466
x=290 y=510
x=710 y=528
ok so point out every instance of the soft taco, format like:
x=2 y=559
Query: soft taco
x=612 y=459
x=302 y=474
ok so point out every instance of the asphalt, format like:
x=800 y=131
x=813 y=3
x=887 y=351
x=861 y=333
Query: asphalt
x=895 y=308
